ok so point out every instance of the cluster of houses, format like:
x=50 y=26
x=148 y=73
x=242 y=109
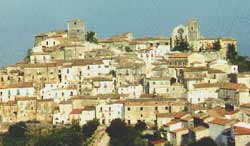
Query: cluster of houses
x=186 y=95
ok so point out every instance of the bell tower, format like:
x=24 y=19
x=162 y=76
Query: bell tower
x=193 y=29
x=76 y=29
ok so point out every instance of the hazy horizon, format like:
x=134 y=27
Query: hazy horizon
x=21 y=20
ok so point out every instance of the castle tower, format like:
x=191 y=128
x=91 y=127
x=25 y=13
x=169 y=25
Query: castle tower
x=193 y=29
x=76 y=29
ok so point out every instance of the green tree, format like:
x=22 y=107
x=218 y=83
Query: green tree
x=128 y=49
x=140 y=126
x=204 y=142
x=89 y=128
x=91 y=37
x=18 y=130
x=231 y=53
x=181 y=44
x=123 y=135
x=216 y=45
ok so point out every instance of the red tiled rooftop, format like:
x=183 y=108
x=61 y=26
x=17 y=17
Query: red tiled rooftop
x=241 y=131
x=158 y=141
x=77 y=111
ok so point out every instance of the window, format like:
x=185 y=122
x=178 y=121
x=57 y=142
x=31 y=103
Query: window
x=47 y=43
x=128 y=108
x=109 y=108
x=100 y=109
x=141 y=108
x=141 y=115
x=67 y=71
x=71 y=93
x=156 y=108
x=166 y=108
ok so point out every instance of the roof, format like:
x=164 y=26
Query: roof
x=77 y=111
x=18 y=85
x=180 y=55
x=231 y=86
x=25 y=98
x=199 y=128
x=160 y=78
x=171 y=123
x=222 y=122
x=241 y=130
x=179 y=130
x=158 y=141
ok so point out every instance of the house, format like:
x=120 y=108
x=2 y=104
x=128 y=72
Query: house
x=181 y=60
x=62 y=116
x=58 y=92
x=163 y=118
x=243 y=78
x=202 y=91
x=145 y=110
x=8 y=112
x=221 y=131
x=107 y=112
x=102 y=85
x=179 y=136
x=88 y=114
x=157 y=85
x=134 y=90
x=199 y=132
x=26 y=108
x=242 y=134
x=45 y=110
x=11 y=91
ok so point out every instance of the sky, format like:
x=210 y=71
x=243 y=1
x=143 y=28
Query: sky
x=21 y=20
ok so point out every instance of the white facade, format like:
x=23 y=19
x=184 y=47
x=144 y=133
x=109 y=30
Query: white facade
x=134 y=91
x=7 y=94
x=199 y=96
x=105 y=113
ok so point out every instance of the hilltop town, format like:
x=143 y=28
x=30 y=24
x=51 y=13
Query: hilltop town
x=186 y=86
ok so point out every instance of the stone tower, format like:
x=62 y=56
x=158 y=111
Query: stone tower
x=193 y=29
x=76 y=29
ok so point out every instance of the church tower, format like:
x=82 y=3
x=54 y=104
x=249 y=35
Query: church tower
x=76 y=29
x=193 y=29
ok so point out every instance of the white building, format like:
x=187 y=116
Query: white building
x=106 y=112
x=11 y=91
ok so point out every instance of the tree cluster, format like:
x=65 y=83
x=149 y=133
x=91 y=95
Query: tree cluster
x=20 y=135
x=181 y=44
x=124 y=135
x=91 y=37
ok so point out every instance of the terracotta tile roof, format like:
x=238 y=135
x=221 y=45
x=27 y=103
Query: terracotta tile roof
x=241 y=130
x=180 y=115
x=222 y=122
x=158 y=141
x=89 y=108
x=76 y=111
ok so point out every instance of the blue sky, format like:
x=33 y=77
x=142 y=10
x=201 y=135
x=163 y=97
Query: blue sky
x=22 y=19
